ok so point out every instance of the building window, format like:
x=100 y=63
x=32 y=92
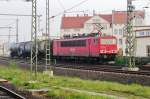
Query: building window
x=148 y=51
x=120 y=32
x=115 y=31
x=96 y=20
x=88 y=26
x=148 y=33
x=138 y=21
x=120 y=42
x=111 y=25
x=141 y=33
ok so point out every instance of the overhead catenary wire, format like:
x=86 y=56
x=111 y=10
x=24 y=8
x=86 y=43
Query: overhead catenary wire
x=61 y=4
x=80 y=3
x=12 y=23
x=6 y=14
x=66 y=10
x=7 y=19
x=8 y=35
x=76 y=5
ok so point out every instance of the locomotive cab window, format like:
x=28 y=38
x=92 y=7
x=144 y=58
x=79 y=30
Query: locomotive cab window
x=108 y=41
x=73 y=43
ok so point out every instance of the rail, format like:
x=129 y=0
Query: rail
x=11 y=93
x=105 y=68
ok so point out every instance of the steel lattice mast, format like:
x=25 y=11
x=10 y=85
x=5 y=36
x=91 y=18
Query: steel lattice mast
x=131 y=39
x=34 y=50
x=48 y=58
x=17 y=38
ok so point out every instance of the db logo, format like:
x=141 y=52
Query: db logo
x=72 y=49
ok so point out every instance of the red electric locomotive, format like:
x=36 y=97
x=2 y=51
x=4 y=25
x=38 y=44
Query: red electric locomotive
x=101 y=48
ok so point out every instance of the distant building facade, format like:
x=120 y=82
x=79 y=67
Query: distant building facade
x=143 y=42
x=119 y=20
x=113 y=24
x=72 y=26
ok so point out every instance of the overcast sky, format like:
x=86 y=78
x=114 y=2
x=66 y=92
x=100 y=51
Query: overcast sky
x=56 y=6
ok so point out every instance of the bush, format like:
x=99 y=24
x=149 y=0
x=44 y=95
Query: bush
x=120 y=60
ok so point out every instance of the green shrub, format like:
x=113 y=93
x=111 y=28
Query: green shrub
x=120 y=60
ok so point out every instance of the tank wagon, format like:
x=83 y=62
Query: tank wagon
x=21 y=50
x=14 y=50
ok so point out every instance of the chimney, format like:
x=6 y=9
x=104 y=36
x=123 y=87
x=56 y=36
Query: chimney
x=77 y=15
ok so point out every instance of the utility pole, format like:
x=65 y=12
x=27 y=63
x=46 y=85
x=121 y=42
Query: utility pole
x=9 y=33
x=130 y=37
x=39 y=27
x=9 y=28
x=48 y=58
x=34 y=48
x=17 y=35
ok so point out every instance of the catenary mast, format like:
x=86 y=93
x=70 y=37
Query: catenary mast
x=130 y=36
x=34 y=47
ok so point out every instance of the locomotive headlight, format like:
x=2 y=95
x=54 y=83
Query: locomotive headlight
x=105 y=56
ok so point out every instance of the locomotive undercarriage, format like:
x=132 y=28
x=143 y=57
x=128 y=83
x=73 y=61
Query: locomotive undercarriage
x=101 y=58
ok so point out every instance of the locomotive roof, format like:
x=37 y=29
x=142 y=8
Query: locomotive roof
x=84 y=38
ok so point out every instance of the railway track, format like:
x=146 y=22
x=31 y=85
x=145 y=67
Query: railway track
x=90 y=71
x=8 y=94
x=104 y=68
x=82 y=66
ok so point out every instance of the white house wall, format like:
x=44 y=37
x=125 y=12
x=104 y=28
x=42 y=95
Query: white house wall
x=118 y=32
x=97 y=19
x=88 y=27
x=142 y=44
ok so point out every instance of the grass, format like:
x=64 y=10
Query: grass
x=58 y=93
x=21 y=77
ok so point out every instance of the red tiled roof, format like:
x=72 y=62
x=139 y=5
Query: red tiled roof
x=74 y=22
x=120 y=17
x=78 y=21
x=107 y=17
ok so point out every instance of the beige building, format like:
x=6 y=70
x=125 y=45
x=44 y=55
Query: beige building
x=73 y=26
x=4 y=49
x=143 y=42
x=1 y=49
x=119 y=20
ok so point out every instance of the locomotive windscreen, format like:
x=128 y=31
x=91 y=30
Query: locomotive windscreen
x=108 y=41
